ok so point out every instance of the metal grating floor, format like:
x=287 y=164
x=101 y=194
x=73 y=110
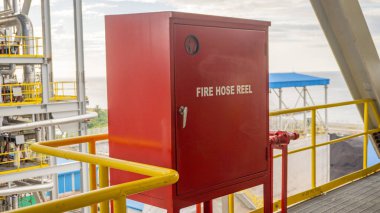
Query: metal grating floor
x=360 y=196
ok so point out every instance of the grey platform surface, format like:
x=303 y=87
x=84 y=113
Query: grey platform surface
x=360 y=196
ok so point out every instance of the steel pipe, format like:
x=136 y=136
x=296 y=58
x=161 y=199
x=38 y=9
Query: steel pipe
x=26 y=189
x=52 y=122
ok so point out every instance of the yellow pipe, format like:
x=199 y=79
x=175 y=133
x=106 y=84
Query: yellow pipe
x=138 y=168
x=338 y=140
x=231 y=203
x=103 y=183
x=76 y=140
x=120 y=205
x=294 y=151
x=313 y=150
x=92 y=174
x=365 y=137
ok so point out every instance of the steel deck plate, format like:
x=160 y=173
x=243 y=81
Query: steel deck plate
x=360 y=196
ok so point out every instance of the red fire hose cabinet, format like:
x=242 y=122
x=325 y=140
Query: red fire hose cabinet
x=189 y=92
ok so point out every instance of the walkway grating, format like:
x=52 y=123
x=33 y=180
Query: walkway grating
x=360 y=196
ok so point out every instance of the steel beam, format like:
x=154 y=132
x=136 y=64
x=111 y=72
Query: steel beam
x=79 y=56
x=47 y=123
x=347 y=32
x=21 y=60
x=81 y=91
x=47 y=77
x=47 y=67
x=26 y=189
x=38 y=109
x=26 y=7
x=74 y=166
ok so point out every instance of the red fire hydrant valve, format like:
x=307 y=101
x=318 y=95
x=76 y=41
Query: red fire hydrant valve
x=280 y=140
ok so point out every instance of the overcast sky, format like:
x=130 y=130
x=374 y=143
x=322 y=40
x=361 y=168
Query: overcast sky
x=296 y=40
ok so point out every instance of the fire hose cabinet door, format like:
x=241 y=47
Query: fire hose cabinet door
x=188 y=92
x=221 y=98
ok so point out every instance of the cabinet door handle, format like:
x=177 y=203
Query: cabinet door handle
x=183 y=111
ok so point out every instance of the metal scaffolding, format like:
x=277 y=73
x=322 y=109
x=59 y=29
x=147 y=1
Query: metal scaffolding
x=40 y=100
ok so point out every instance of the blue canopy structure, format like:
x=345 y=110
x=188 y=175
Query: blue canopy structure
x=292 y=79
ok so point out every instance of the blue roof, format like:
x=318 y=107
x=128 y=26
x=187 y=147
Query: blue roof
x=292 y=79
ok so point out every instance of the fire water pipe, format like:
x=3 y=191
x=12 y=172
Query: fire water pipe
x=44 y=123
x=280 y=140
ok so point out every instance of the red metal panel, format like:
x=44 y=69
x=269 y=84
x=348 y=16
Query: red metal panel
x=139 y=88
x=224 y=88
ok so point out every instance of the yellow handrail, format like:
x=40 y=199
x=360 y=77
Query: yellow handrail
x=318 y=190
x=316 y=107
x=63 y=90
x=31 y=93
x=18 y=160
x=21 y=46
x=157 y=177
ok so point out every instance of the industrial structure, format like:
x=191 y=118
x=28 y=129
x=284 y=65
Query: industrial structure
x=32 y=106
x=193 y=123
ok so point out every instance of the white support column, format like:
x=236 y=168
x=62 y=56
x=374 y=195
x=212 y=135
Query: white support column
x=81 y=92
x=46 y=77
x=15 y=6
x=26 y=7
x=47 y=66
x=45 y=82
x=7 y=5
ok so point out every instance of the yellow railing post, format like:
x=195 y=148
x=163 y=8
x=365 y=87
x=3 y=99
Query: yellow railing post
x=313 y=150
x=365 y=136
x=92 y=174
x=103 y=182
x=120 y=205
x=231 y=203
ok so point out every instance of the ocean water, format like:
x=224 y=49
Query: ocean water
x=96 y=91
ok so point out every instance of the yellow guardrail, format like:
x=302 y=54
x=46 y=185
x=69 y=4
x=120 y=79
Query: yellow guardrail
x=368 y=104
x=157 y=177
x=19 y=94
x=30 y=93
x=160 y=176
x=63 y=90
x=15 y=158
x=21 y=46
